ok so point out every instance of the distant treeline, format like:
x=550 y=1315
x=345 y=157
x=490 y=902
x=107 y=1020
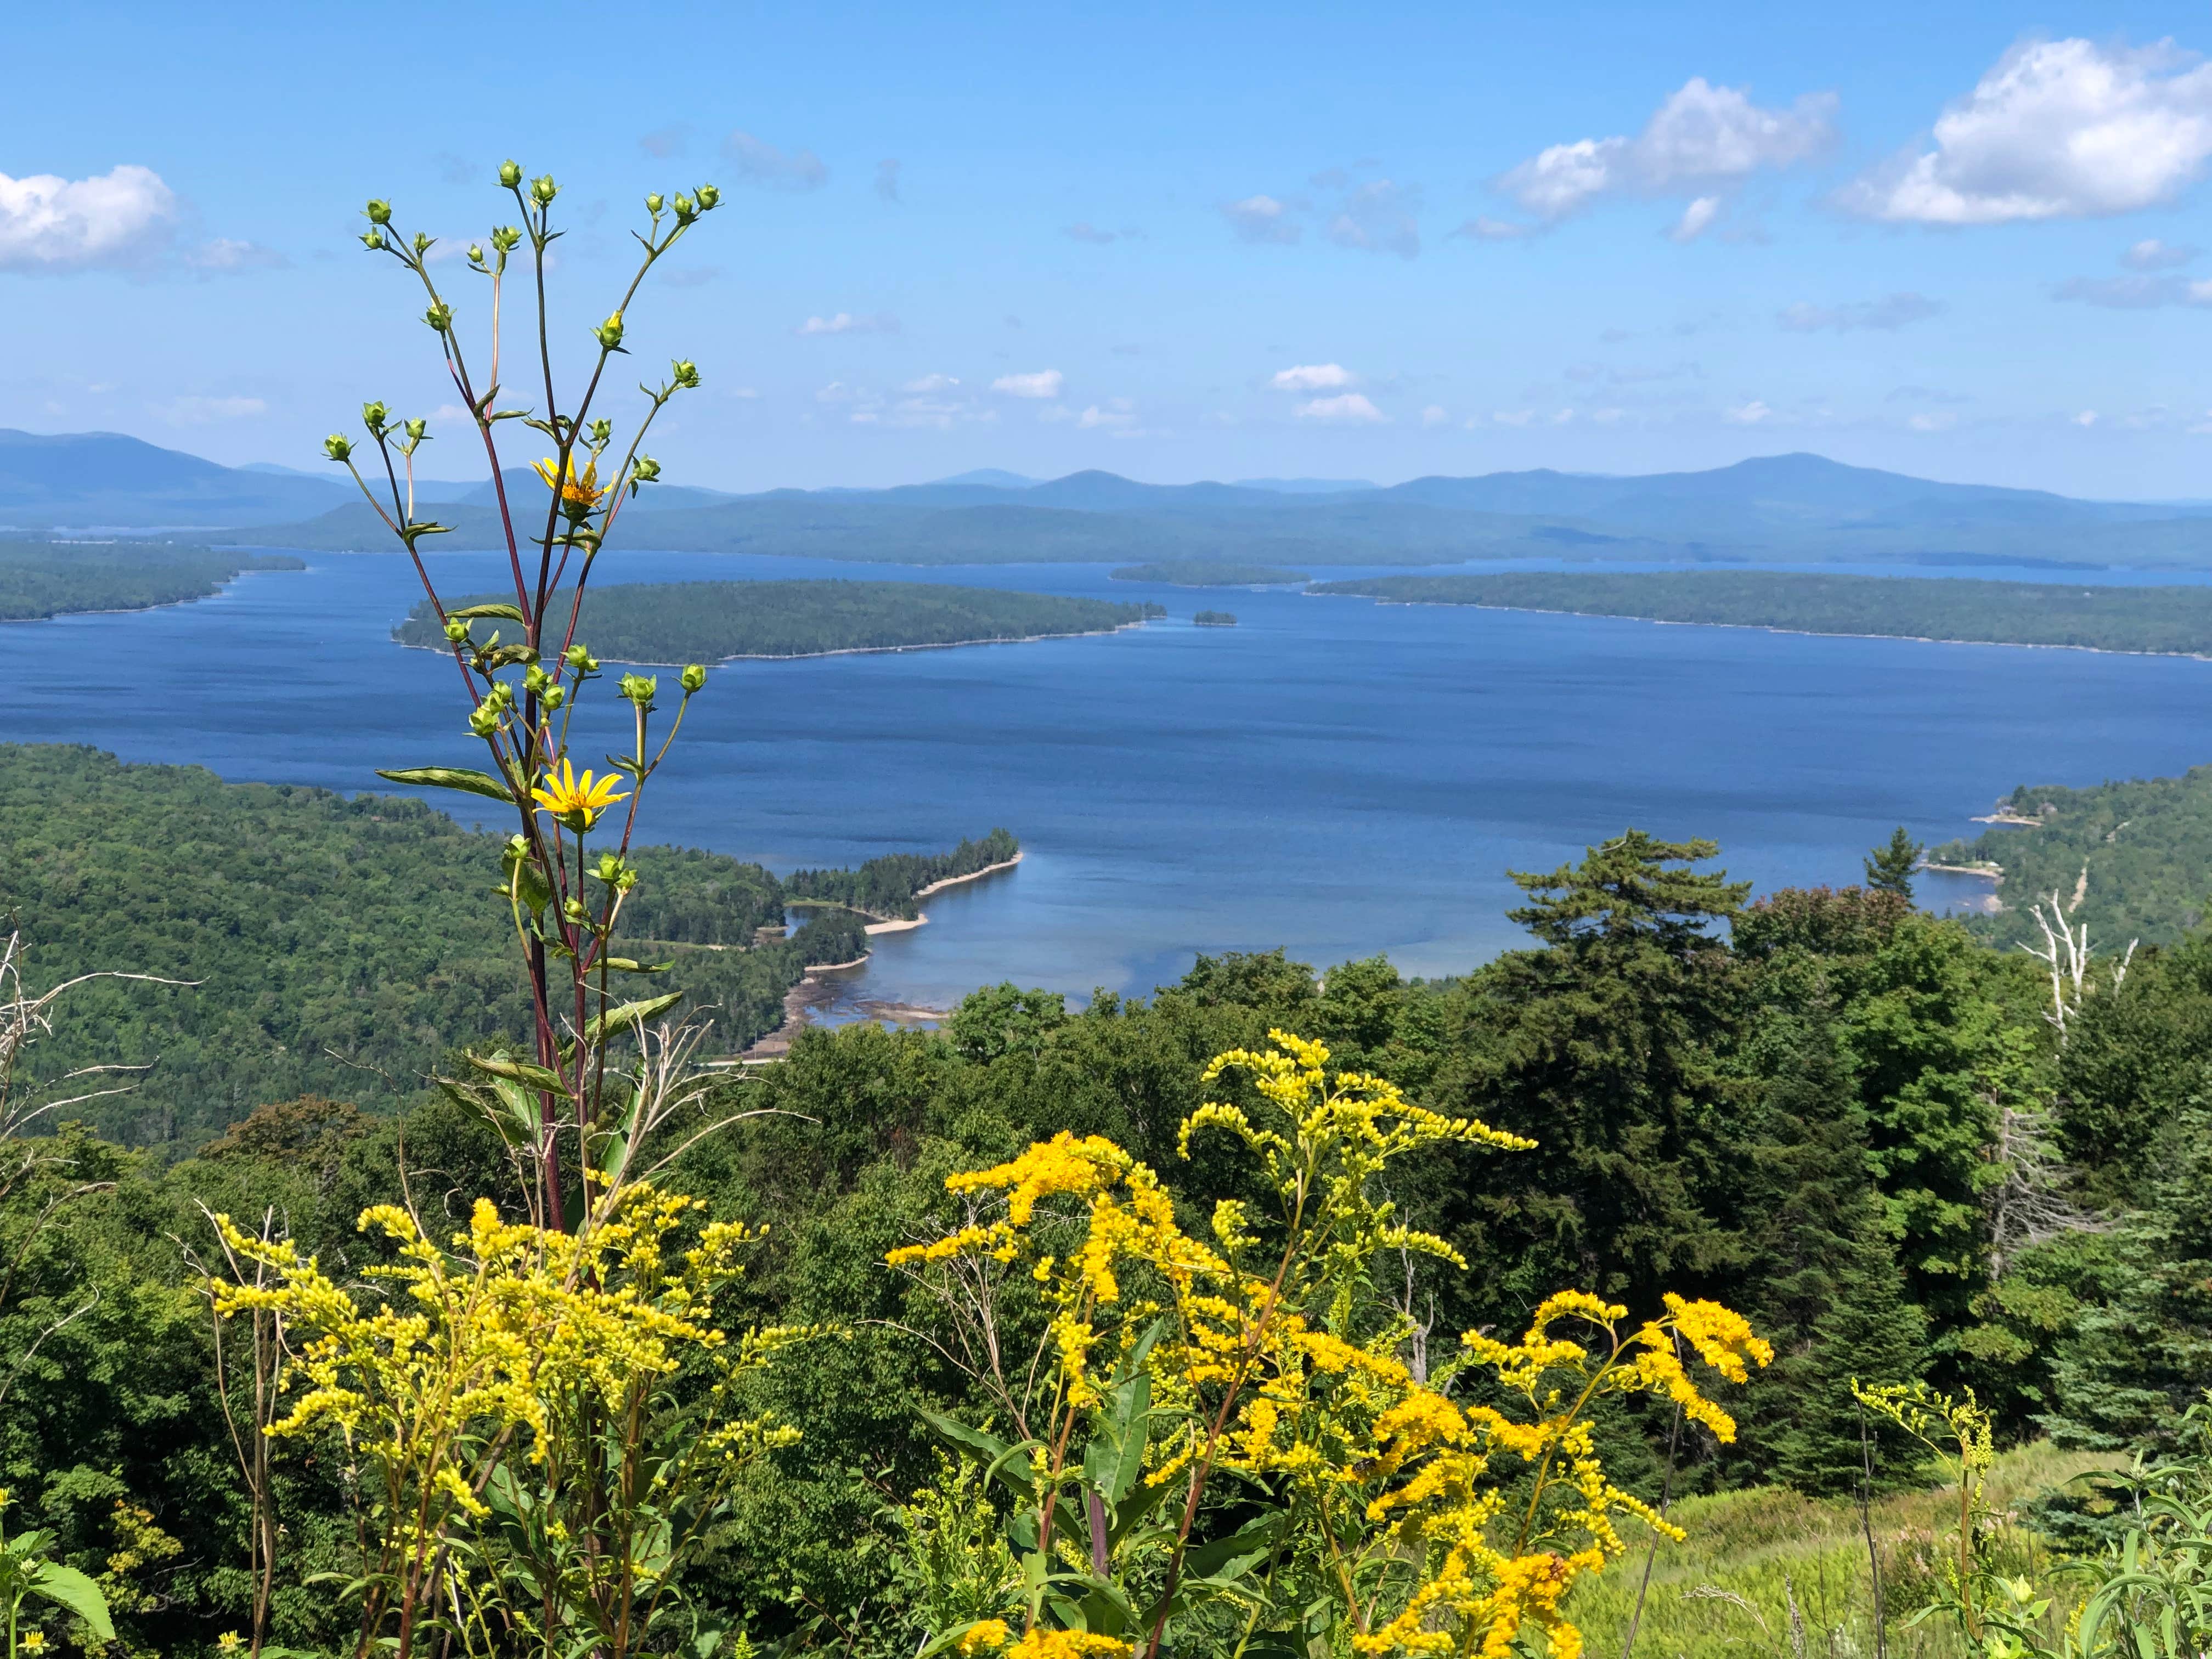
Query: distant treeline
x=887 y=887
x=2167 y=619
x=1215 y=619
x=2139 y=854
x=1207 y=573
x=40 y=579
x=709 y=622
x=336 y=947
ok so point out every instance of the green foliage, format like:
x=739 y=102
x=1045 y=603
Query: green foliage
x=2137 y=852
x=1889 y=867
x=2154 y=619
x=1215 y=619
x=675 y=623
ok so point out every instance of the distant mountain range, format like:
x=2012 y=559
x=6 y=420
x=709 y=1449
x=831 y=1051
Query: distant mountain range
x=1797 y=507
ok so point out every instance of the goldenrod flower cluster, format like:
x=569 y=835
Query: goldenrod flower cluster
x=1278 y=1364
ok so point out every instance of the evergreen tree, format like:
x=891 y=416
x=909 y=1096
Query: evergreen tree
x=1603 y=1046
x=1869 y=1334
x=1889 y=867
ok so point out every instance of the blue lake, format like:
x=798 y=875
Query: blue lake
x=1332 y=776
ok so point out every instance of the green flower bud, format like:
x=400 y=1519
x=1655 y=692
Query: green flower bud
x=555 y=697
x=483 y=719
x=439 y=317
x=456 y=630
x=510 y=175
x=422 y=243
x=339 y=446
x=535 y=678
x=380 y=213
x=475 y=253
x=603 y=433
x=609 y=869
x=376 y=417
x=609 y=334
x=580 y=659
x=694 y=678
x=506 y=239
x=646 y=471
x=372 y=241
x=542 y=190
x=653 y=204
x=686 y=212
x=640 y=689
x=573 y=908
x=417 y=429
x=687 y=375
x=709 y=198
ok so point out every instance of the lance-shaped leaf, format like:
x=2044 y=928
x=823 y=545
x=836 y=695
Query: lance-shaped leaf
x=538 y=1077
x=627 y=965
x=601 y=1027
x=471 y=612
x=450 y=777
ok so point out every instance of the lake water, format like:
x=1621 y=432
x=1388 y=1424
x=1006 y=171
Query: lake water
x=1332 y=776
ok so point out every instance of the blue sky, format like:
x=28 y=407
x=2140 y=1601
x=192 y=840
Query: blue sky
x=1175 y=241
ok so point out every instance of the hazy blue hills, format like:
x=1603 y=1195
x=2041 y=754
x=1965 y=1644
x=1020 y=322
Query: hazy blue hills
x=1794 y=507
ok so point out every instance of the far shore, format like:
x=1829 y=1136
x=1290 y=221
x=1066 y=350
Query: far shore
x=906 y=924
x=846 y=651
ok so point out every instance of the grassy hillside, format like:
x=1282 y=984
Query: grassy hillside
x=708 y=621
x=40 y=579
x=2152 y=619
x=2139 y=853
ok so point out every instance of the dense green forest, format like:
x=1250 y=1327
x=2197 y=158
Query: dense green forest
x=1215 y=618
x=886 y=888
x=1824 y=1109
x=2176 y=619
x=1205 y=573
x=2131 y=861
x=55 y=578
x=337 y=947
x=709 y=622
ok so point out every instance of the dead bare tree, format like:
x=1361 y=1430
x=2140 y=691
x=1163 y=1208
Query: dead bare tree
x=2065 y=952
x=2029 y=1205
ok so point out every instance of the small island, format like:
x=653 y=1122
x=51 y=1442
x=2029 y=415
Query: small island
x=1215 y=619
x=1206 y=572
x=651 y=623
x=2162 y=620
x=42 y=579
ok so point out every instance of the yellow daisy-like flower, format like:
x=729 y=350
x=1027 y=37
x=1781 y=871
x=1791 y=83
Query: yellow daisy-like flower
x=230 y=1642
x=576 y=801
x=34 y=1641
x=583 y=492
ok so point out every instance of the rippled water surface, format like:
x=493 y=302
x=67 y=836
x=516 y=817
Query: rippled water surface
x=1333 y=775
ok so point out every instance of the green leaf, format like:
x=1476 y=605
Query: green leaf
x=65 y=1587
x=625 y=965
x=521 y=1071
x=471 y=612
x=1008 y=1463
x=451 y=777
x=601 y=1027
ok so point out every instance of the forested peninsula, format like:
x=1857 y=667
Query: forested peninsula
x=1206 y=572
x=2127 y=859
x=669 y=622
x=2167 y=619
x=333 y=947
x=41 y=579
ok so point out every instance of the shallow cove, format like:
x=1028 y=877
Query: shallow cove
x=1338 y=777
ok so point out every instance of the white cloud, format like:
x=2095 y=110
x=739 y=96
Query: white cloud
x=2141 y=293
x=1484 y=228
x=2056 y=129
x=931 y=383
x=122 y=217
x=225 y=254
x=845 y=322
x=2151 y=254
x=2086 y=417
x=1750 y=414
x=204 y=411
x=1351 y=407
x=1312 y=377
x=1892 y=311
x=1696 y=220
x=761 y=163
x=1701 y=137
x=1514 y=416
x=1435 y=415
x=1044 y=383
x=1378 y=217
x=1261 y=219
x=1939 y=420
x=1118 y=412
